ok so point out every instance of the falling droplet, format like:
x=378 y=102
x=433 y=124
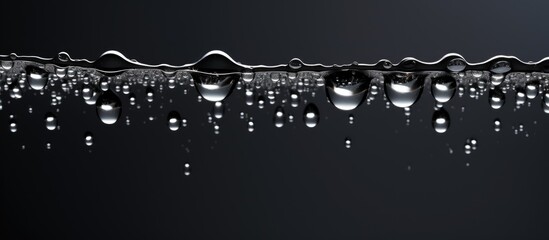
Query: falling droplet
x=218 y=110
x=51 y=121
x=532 y=89
x=48 y=146
x=294 y=98
x=13 y=125
x=473 y=143
x=501 y=67
x=250 y=125
x=497 y=125
x=214 y=87
x=441 y=120
x=149 y=94
x=174 y=120
x=187 y=169
x=37 y=78
x=496 y=98
x=108 y=107
x=467 y=148
x=346 y=89
x=351 y=119
x=88 y=138
x=347 y=143
x=311 y=115
x=261 y=102
x=497 y=79
x=403 y=89
x=279 y=117
x=132 y=99
x=443 y=88
x=456 y=65
x=247 y=76
x=90 y=94
x=520 y=96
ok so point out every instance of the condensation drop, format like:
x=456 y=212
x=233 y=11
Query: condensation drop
x=218 y=110
x=37 y=78
x=214 y=87
x=403 y=89
x=187 y=169
x=174 y=120
x=441 y=120
x=88 y=138
x=443 y=88
x=496 y=98
x=347 y=143
x=456 y=65
x=311 y=115
x=501 y=67
x=279 y=117
x=149 y=94
x=51 y=121
x=108 y=107
x=346 y=89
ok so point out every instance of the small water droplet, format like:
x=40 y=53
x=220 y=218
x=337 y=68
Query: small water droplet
x=279 y=117
x=174 y=120
x=187 y=169
x=247 y=76
x=311 y=115
x=88 y=138
x=218 y=110
x=497 y=125
x=351 y=119
x=441 y=120
x=497 y=78
x=347 y=143
x=496 y=98
x=149 y=92
x=51 y=121
x=7 y=65
x=250 y=125
x=48 y=146
x=13 y=125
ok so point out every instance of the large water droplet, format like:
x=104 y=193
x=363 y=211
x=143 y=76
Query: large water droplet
x=37 y=78
x=501 y=67
x=456 y=65
x=174 y=120
x=214 y=87
x=441 y=120
x=443 y=88
x=108 y=107
x=279 y=117
x=51 y=121
x=88 y=138
x=113 y=61
x=496 y=98
x=311 y=115
x=403 y=89
x=346 y=89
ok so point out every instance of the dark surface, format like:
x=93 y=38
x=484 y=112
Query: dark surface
x=289 y=183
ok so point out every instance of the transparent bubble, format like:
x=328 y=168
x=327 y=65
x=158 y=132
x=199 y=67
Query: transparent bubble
x=496 y=98
x=347 y=143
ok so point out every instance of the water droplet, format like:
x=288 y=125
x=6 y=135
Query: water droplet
x=294 y=98
x=346 y=89
x=532 y=89
x=60 y=72
x=247 y=76
x=187 y=169
x=7 y=65
x=37 y=78
x=497 y=125
x=311 y=115
x=48 y=146
x=13 y=125
x=218 y=110
x=295 y=63
x=261 y=102
x=456 y=65
x=279 y=117
x=250 y=125
x=473 y=143
x=63 y=56
x=90 y=94
x=497 y=79
x=403 y=89
x=496 y=98
x=214 y=87
x=520 y=96
x=149 y=92
x=545 y=102
x=108 y=107
x=174 y=120
x=88 y=138
x=441 y=120
x=501 y=67
x=351 y=119
x=347 y=143
x=467 y=148
x=443 y=88
x=51 y=121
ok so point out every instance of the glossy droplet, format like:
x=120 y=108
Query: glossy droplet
x=214 y=87
x=247 y=76
x=108 y=107
x=88 y=138
x=218 y=110
x=51 y=121
x=7 y=65
x=48 y=145
x=545 y=102
x=60 y=72
x=403 y=89
x=532 y=89
x=456 y=65
x=467 y=148
x=37 y=78
x=347 y=143
x=187 y=169
x=294 y=98
x=497 y=125
x=443 y=88
x=132 y=99
x=501 y=67
x=311 y=115
x=279 y=117
x=346 y=90
x=441 y=120
x=250 y=125
x=104 y=83
x=13 y=125
x=497 y=79
x=496 y=98
x=351 y=119
x=174 y=120
x=149 y=94
x=295 y=63
x=520 y=96
x=90 y=94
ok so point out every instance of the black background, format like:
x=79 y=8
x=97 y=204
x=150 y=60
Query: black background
x=289 y=183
